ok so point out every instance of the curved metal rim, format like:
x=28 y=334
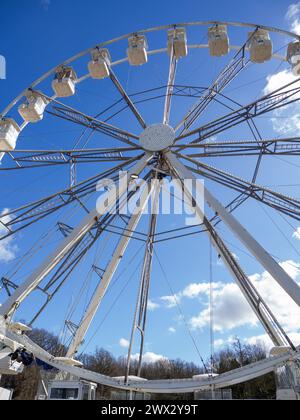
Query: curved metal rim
x=181 y=386
x=145 y=31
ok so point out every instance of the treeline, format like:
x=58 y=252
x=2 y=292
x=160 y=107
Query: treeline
x=25 y=386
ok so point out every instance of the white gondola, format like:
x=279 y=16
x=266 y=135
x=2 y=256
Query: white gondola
x=64 y=83
x=260 y=46
x=9 y=133
x=32 y=110
x=6 y=394
x=99 y=67
x=137 y=50
x=218 y=40
x=72 y=390
x=19 y=328
x=177 y=39
x=293 y=57
x=7 y=366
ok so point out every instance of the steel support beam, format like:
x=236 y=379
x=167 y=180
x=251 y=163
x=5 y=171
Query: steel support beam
x=256 y=302
x=140 y=315
x=28 y=214
x=279 y=98
x=127 y=99
x=276 y=200
x=287 y=147
x=107 y=276
x=170 y=87
x=227 y=75
x=76 y=235
x=262 y=256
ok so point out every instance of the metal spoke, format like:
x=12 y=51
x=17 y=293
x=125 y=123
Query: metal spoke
x=256 y=302
x=75 y=236
x=226 y=76
x=76 y=254
x=170 y=86
x=68 y=113
x=286 y=146
x=30 y=213
x=140 y=315
x=262 y=256
x=107 y=276
x=279 y=98
x=41 y=158
x=127 y=99
x=287 y=205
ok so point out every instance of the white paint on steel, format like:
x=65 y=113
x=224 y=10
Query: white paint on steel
x=108 y=275
x=270 y=265
x=261 y=315
x=78 y=233
x=231 y=378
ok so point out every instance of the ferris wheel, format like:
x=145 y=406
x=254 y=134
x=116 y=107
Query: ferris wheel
x=147 y=151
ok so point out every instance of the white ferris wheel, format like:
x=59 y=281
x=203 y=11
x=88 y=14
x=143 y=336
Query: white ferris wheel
x=153 y=151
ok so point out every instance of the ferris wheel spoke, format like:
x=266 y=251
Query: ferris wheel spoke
x=67 y=266
x=287 y=205
x=140 y=315
x=225 y=77
x=40 y=158
x=76 y=254
x=279 y=98
x=256 y=302
x=76 y=235
x=20 y=218
x=170 y=86
x=108 y=275
x=68 y=113
x=127 y=99
x=266 y=260
x=285 y=146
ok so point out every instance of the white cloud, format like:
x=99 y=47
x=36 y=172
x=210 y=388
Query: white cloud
x=293 y=17
x=232 y=311
x=219 y=342
x=277 y=80
x=149 y=357
x=124 y=343
x=285 y=120
x=172 y=330
x=266 y=342
x=7 y=248
x=152 y=306
x=170 y=301
x=192 y=291
x=261 y=340
x=281 y=124
x=293 y=11
x=296 y=234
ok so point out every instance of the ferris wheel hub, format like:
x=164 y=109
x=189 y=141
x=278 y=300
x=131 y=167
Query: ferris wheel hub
x=157 y=137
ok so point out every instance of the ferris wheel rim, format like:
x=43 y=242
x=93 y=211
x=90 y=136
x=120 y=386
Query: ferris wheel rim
x=145 y=31
x=233 y=377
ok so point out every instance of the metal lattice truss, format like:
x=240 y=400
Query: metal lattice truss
x=182 y=157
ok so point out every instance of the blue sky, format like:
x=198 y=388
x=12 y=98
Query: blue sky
x=41 y=34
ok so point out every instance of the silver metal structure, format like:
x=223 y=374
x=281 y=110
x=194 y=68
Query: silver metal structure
x=159 y=151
